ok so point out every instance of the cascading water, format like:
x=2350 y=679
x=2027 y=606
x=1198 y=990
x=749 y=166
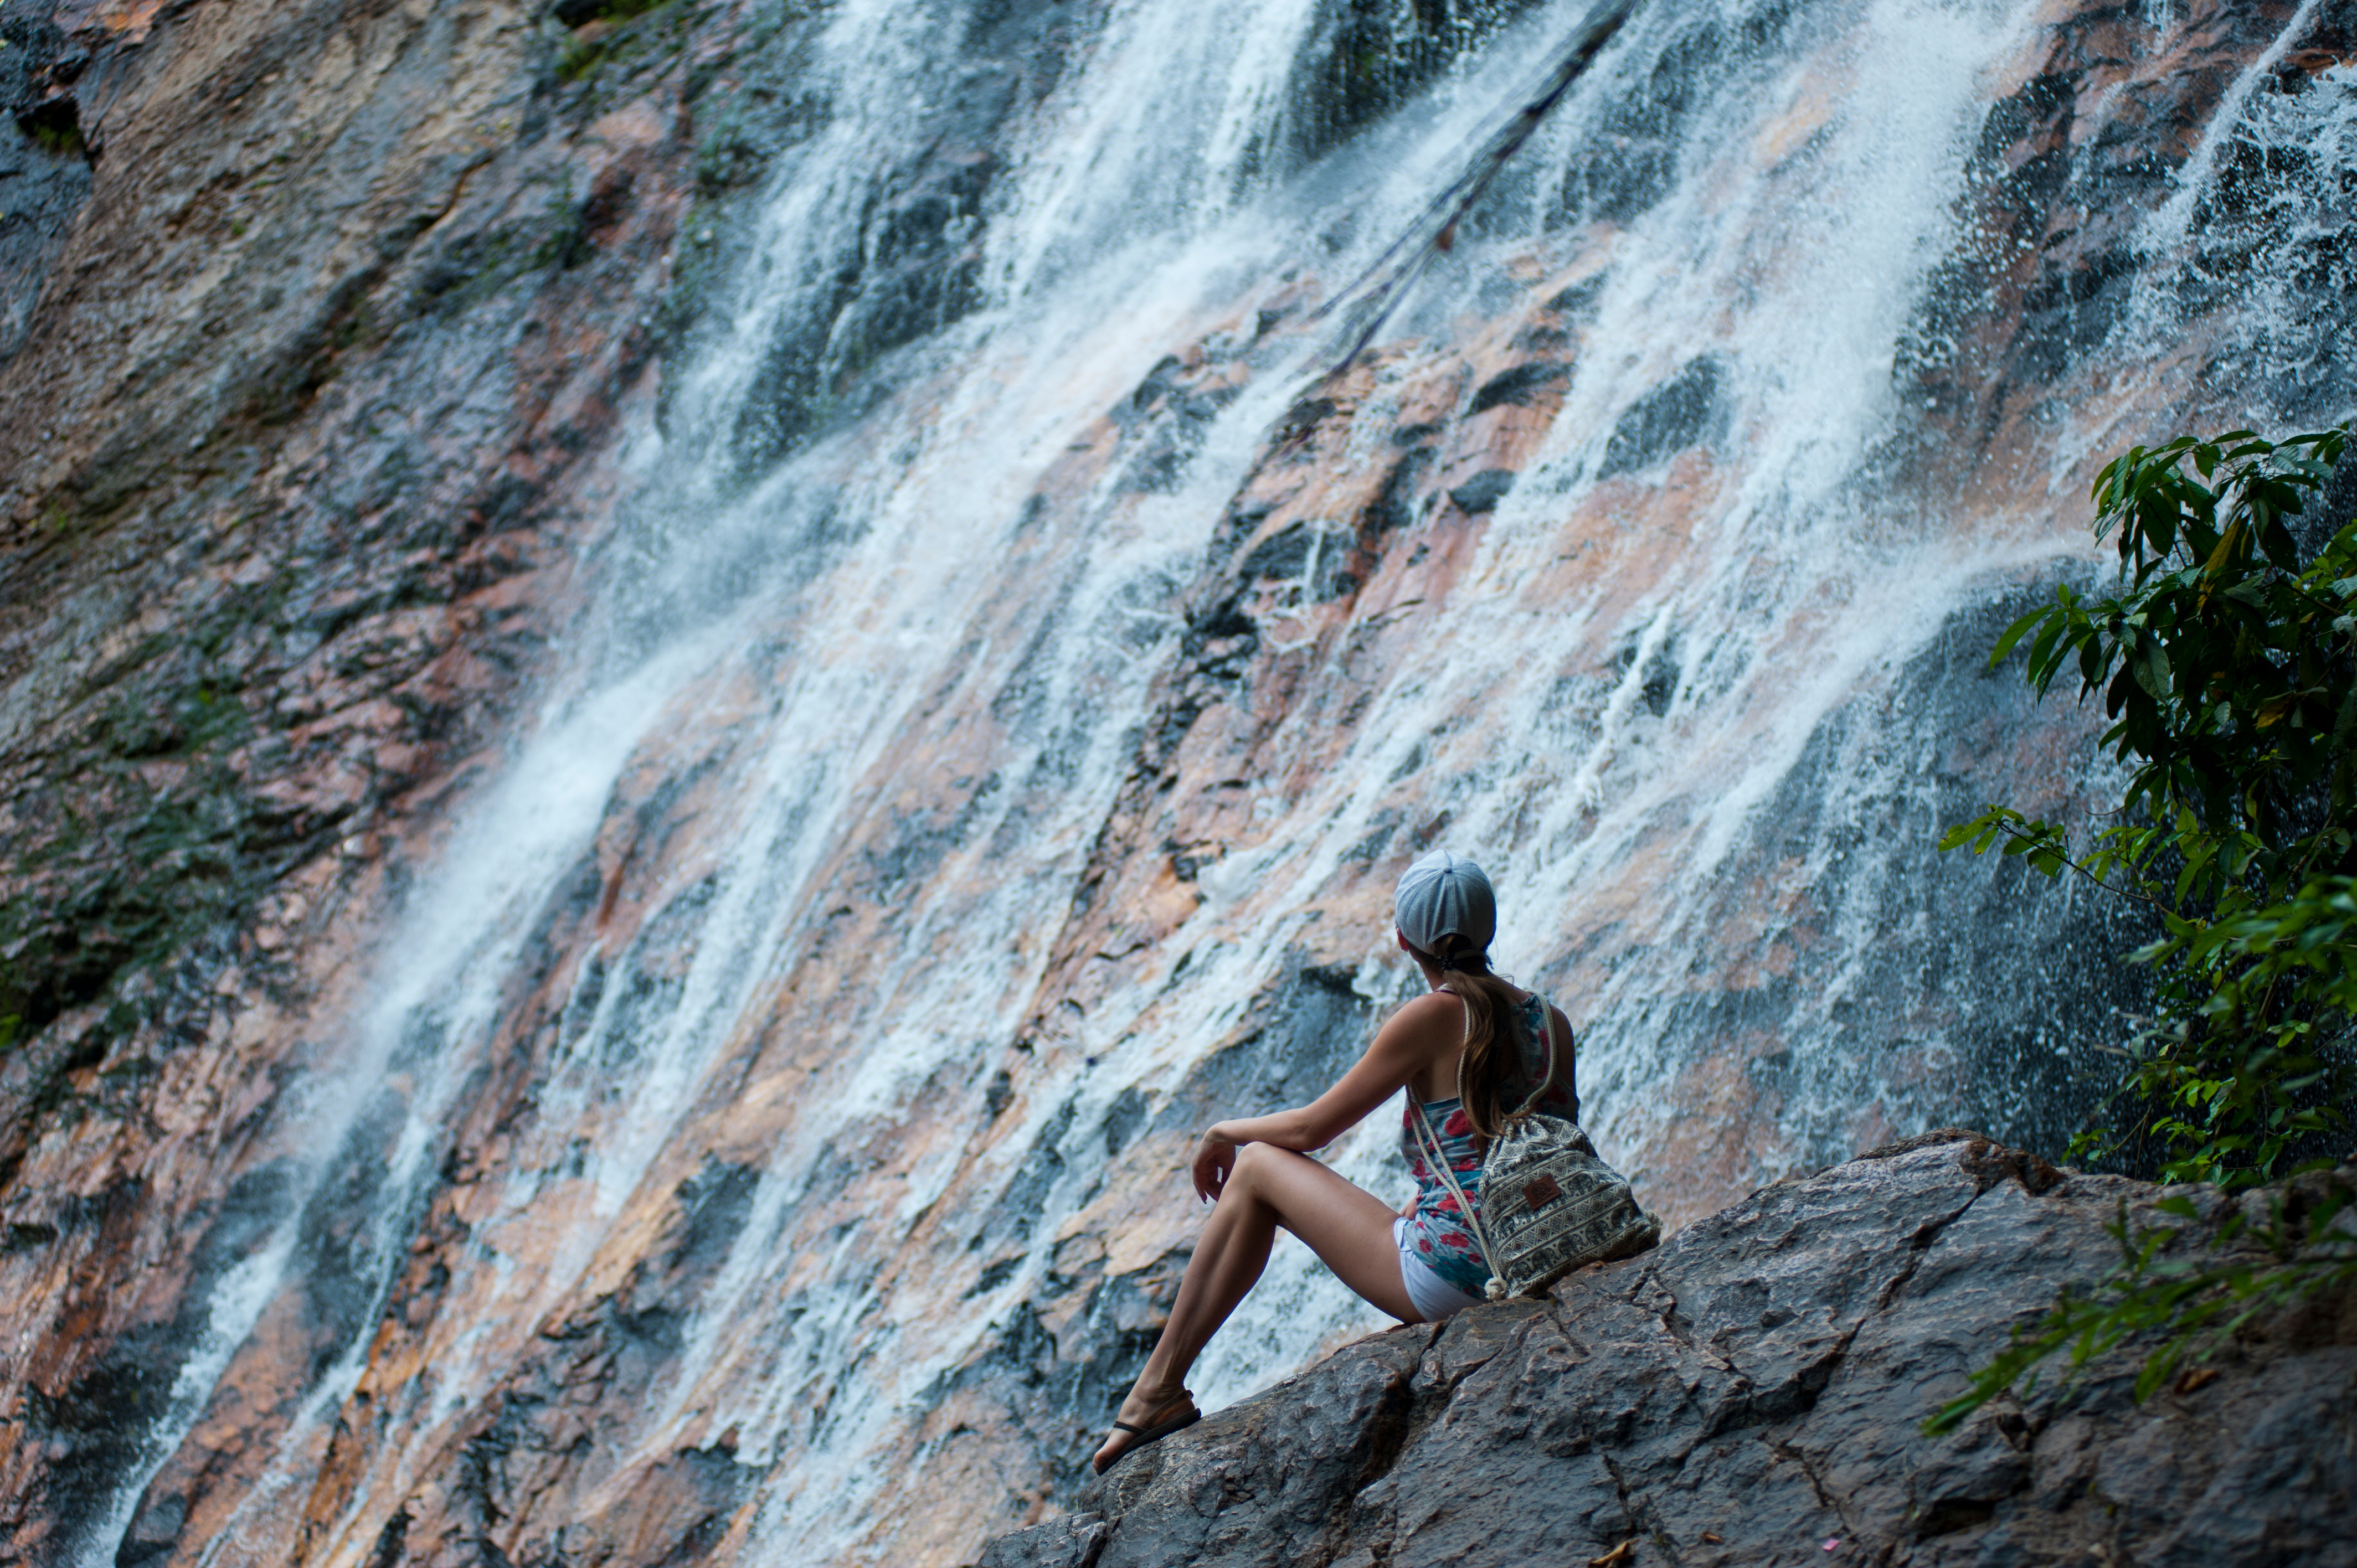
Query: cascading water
x=749 y=1026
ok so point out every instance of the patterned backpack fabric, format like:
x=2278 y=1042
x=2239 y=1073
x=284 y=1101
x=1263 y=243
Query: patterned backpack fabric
x=1547 y=1203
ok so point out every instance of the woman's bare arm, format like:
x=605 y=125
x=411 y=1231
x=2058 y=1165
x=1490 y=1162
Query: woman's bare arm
x=1414 y=1037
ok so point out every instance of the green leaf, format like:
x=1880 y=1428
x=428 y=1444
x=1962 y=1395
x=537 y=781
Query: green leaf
x=2276 y=539
x=2222 y=557
x=2013 y=633
x=2044 y=644
x=2152 y=666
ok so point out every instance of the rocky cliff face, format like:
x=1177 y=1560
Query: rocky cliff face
x=1754 y=1392
x=679 y=683
x=319 y=325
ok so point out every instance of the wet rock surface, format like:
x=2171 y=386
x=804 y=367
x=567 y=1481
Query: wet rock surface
x=317 y=326
x=1753 y=1392
x=329 y=334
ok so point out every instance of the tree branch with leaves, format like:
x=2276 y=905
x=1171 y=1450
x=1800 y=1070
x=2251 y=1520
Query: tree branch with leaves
x=2227 y=662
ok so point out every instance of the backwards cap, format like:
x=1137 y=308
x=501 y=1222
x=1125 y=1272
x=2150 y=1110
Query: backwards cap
x=1441 y=894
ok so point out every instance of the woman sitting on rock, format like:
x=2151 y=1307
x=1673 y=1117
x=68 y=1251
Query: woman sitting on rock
x=1472 y=1050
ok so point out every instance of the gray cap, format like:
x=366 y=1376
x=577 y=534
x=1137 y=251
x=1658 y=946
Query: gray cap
x=1441 y=894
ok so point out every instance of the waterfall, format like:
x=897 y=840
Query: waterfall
x=744 y=1012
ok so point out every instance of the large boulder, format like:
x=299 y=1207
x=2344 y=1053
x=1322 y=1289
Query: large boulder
x=1754 y=1392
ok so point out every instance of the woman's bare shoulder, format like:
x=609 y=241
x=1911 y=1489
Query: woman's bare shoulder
x=1432 y=1004
x=1435 y=1013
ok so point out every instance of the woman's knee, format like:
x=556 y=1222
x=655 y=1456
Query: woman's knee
x=1256 y=1163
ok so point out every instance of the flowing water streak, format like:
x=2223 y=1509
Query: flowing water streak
x=2175 y=219
x=2288 y=153
x=1075 y=255
x=1792 y=265
x=872 y=69
x=1155 y=140
x=466 y=928
x=459 y=938
x=1761 y=269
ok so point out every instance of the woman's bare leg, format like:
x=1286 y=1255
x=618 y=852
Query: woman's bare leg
x=1349 y=1228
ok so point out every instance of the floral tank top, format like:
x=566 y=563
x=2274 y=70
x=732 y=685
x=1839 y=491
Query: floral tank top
x=1438 y=1232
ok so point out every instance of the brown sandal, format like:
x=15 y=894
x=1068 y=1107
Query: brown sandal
x=1154 y=1430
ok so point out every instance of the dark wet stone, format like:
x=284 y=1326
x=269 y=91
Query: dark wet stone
x=1684 y=411
x=1483 y=491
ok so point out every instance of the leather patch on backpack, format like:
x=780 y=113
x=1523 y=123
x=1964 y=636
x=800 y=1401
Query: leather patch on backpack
x=1540 y=1193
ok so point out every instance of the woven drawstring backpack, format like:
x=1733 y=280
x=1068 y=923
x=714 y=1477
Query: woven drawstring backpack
x=1548 y=1203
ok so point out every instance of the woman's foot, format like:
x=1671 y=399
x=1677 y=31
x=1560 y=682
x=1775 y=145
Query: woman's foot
x=1147 y=1416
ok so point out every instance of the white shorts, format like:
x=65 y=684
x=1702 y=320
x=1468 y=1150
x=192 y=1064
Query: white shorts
x=1433 y=1298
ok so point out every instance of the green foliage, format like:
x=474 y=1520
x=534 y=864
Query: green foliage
x=2219 y=662
x=2228 y=667
x=2192 y=1301
x=580 y=56
x=566 y=244
x=56 y=131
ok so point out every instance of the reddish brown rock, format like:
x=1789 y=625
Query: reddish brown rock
x=311 y=419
